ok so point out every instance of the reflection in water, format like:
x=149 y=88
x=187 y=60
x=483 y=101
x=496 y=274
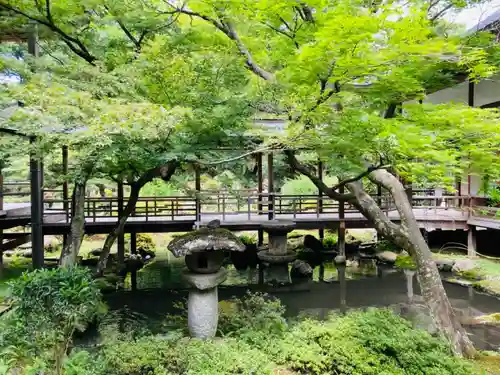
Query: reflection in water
x=359 y=285
x=409 y=284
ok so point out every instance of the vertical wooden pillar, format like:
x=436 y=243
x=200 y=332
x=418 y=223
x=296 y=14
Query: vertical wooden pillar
x=470 y=102
x=121 y=236
x=1 y=208
x=65 y=191
x=36 y=208
x=341 y=234
x=260 y=187
x=471 y=241
x=35 y=177
x=409 y=193
x=133 y=250
x=197 y=186
x=321 y=232
x=270 y=187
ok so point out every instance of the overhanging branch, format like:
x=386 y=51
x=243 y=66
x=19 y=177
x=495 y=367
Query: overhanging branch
x=302 y=169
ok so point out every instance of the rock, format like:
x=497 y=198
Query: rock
x=311 y=242
x=9 y=253
x=96 y=252
x=301 y=269
x=26 y=253
x=214 y=224
x=310 y=257
x=387 y=257
x=462 y=265
x=246 y=259
x=404 y=253
x=445 y=265
x=340 y=259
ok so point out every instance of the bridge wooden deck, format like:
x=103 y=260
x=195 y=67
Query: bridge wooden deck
x=176 y=214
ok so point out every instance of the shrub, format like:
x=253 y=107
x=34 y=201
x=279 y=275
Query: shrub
x=248 y=240
x=330 y=241
x=255 y=312
x=145 y=242
x=363 y=343
x=49 y=306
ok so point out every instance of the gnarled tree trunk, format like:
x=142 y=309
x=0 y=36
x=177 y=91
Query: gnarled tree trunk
x=165 y=173
x=407 y=235
x=69 y=253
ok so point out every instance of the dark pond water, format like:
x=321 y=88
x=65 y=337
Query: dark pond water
x=161 y=288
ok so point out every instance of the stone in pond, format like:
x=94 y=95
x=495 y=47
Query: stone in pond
x=445 y=265
x=462 y=265
x=311 y=242
x=387 y=257
x=95 y=252
x=301 y=269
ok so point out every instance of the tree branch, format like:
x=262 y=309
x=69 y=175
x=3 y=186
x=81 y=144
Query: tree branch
x=228 y=29
x=358 y=177
x=302 y=169
x=73 y=43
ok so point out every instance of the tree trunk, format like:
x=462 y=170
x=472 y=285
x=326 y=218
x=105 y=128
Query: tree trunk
x=118 y=228
x=77 y=227
x=407 y=235
x=165 y=172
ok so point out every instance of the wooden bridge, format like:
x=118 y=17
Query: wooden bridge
x=247 y=211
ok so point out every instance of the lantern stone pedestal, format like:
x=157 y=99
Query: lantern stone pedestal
x=203 y=302
x=277 y=257
x=204 y=250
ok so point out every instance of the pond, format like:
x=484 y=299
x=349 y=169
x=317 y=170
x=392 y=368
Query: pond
x=161 y=289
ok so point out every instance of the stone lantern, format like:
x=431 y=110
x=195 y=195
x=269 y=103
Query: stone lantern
x=203 y=250
x=278 y=257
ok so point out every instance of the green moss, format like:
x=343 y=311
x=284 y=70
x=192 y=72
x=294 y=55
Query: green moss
x=405 y=262
x=471 y=275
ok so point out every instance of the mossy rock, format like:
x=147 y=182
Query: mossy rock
x=472 y=275
x=405 y=262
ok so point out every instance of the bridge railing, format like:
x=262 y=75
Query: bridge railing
x=247 y=203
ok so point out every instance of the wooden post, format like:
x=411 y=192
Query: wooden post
x=379 y=196
x=65 y=189
x=341 y=234
x=471 y=241
x=270 y=186
x=409 y=193
x=321 y=232
x=133 y=250
x=471 y=94
x=197 y=183
x=36 y=208
x=1 y=208
x=35 y=177
x=121 y=236
x=260 y=187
